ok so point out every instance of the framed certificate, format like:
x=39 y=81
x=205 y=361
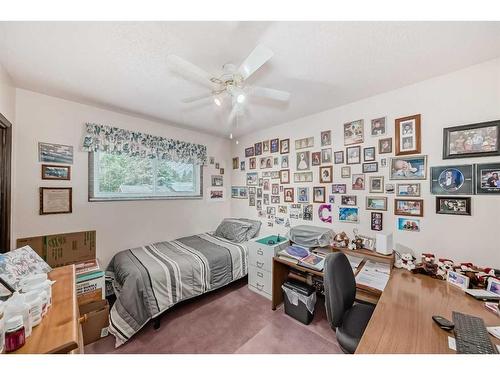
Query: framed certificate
x=56 y=200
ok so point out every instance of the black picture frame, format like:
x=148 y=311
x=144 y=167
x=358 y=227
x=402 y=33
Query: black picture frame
x=460 y=180
x=366 y=150
x=480 y=170
x=376 y=221
x=367 y=165
x=447 y=135
x=440 y=211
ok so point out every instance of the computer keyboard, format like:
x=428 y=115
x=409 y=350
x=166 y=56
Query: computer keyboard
x=471 y=335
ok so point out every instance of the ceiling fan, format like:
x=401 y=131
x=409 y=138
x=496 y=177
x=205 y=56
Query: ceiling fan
x=231 y=83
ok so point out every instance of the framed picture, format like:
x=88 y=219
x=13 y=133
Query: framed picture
x=383 y=162
x=266 y=162
x=276 y=161
x=353 y=132
x=409 y=207
x=284 y=146
x=283 y=210
x=258 y=148
x=275 y=175
x=285 y=176
x=376 y=221
x=339 y=188
x=275 y=145
x=239 y=192
x=217 y=180
x=370 y=167
x=378 y=127
x=385 y=146
x=275 y=189
x=275 y=199
x=348 y=214
x=345 y=172
x=325 y=212
x=409 y=225
x=252 y=179
x=265 y=146
x=452 y=179
x=57 y=200
x=369 y=154
x=331 y=199
x=236 y=163
x=358 y=181
x=252 y=190
x=251 y=201
x=259 y=193
x=488 y=178
x=453 y=205
x=221 y=170
x=353 y=155
x=252 y=163
x=348 y=200
x=474 y=140
x=303 y=195
x=266 y=199
x=307 y=212
x=338 y=157
x=242 y=165
x=288 y=194
x=304 y=143
x=217 y=165
x=457 y=279
x=316 y=158
x=303 y=160
x=216 y=195
x=319 y=194
x=56 y=172
x=211 y=160
x=285 y=162
x=55 y=153
x=409 y=168
x=326 y=138
x=249 y=152
x=376 y=203
x=367 y=242
x=271 y=210
x=389 y=188
x=408 y=135
x=326 y=174
x=326 y=155
x=303 y=177
x=408 y=190
x=376 y=184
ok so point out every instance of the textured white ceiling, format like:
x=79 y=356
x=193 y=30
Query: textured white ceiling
x=121 y=65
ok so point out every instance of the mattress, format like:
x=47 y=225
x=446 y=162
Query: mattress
x=148 y=280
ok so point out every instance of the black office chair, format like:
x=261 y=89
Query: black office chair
x=347 y=318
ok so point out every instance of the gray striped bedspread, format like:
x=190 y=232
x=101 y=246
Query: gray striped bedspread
x=150 y=279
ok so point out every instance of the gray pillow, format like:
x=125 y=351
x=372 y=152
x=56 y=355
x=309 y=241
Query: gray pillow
x=254 y=230
x=233 y=230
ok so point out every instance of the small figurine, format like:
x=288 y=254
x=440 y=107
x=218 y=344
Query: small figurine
x=341 y=240
x=408 y=261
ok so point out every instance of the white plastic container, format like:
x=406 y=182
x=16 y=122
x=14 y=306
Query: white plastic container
x=37 y=282
x=17 y=306
x=34 y=302
x=2 y=327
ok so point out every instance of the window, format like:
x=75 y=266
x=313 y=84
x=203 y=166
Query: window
x=123 y=177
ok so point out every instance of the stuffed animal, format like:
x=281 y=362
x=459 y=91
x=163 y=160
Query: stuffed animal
x=444 y=265
x=426 y=265
x=408 y=261
x=341 y=240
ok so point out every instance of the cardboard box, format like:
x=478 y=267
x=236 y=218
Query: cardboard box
x=62 y=249
x=90 y=282
x=94 y=320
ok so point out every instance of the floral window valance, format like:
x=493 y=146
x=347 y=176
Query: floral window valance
x=120 y=141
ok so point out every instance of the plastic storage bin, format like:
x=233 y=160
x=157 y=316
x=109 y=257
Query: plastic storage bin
x=300 y=300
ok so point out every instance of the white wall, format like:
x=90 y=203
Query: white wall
x=468 y=96
x=7 y=96
x=119 y=225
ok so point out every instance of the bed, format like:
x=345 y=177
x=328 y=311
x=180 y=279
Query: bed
x=148 y=280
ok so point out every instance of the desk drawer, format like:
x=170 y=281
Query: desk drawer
x=260 y=279
x=261 y=257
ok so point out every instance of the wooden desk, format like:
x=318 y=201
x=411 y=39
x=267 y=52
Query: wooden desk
x=402 y=321
x=281 y=270
x=59 y=330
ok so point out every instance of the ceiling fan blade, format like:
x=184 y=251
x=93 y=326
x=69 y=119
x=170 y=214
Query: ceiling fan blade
x=189 y=70
x=196 y=98
x=274 y=94
x=235 y=112
x=258 y=57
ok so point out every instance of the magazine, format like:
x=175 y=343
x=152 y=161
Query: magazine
x=302 y=256
x=313 y=261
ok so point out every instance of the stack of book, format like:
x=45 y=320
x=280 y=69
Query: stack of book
x=302 y=256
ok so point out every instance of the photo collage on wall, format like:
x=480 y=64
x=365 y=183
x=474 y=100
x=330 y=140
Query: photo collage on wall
x=310 y=180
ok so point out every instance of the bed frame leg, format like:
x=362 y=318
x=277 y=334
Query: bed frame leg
x=156 y=322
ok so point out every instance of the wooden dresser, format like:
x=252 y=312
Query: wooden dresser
x=60 y=330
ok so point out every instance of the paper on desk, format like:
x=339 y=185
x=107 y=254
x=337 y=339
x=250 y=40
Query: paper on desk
x=354 y=261
x=374 y=275
x=494 y=331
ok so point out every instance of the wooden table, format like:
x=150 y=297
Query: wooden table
x=281 y=270
x=402 y=321
x=59 y=331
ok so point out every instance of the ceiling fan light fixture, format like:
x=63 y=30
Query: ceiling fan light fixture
x=217 y=101
x=240 y=98
x=231 y=136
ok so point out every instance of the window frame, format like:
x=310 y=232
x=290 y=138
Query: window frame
x=93 y=198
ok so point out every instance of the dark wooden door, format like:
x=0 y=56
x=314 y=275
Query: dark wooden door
x=5 y=174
